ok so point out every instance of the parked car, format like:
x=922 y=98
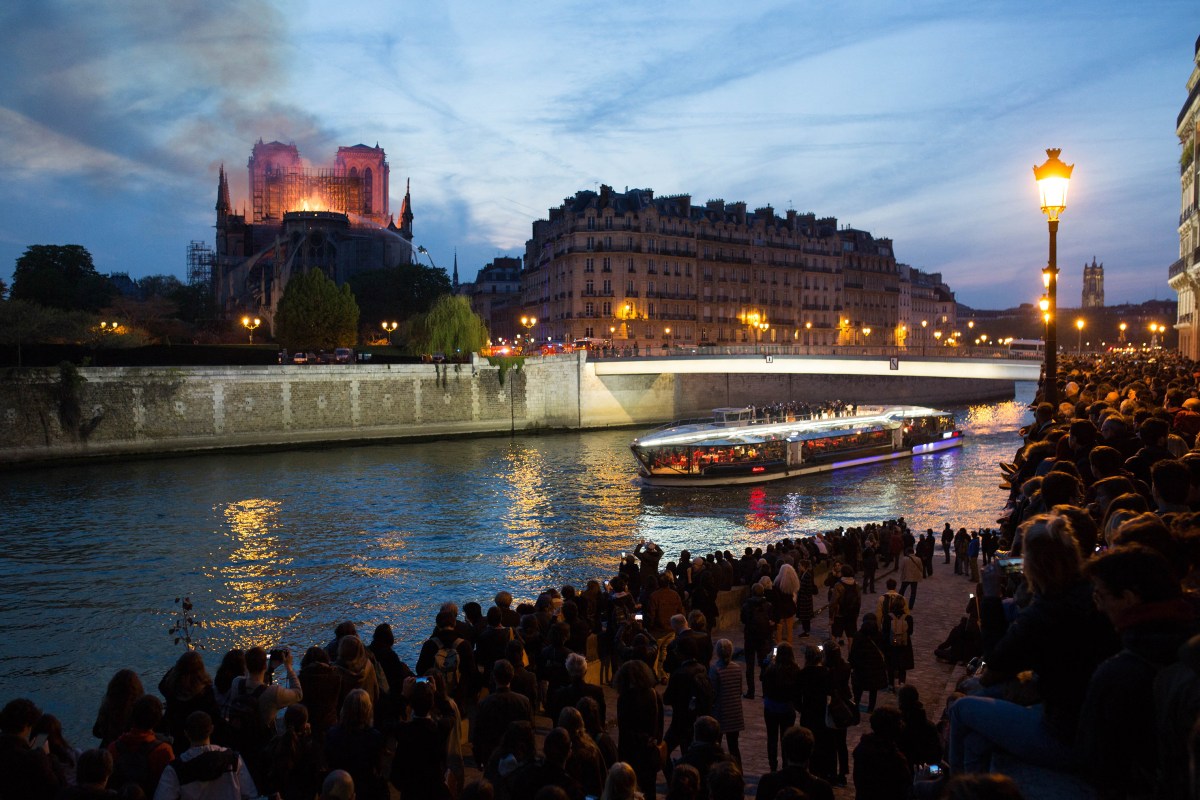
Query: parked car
x=300 y=358
x=343 y=355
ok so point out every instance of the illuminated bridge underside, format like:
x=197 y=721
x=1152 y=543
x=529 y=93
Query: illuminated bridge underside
x=994 y=369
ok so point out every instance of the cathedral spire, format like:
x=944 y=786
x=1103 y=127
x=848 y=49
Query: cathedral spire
x=406 y=215
x=454 y=282
x=223 y=205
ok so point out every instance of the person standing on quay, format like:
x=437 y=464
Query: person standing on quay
x=973 y=558
x=787 y=584
x=870 y=564
x=912 y=572
x=758 y=632
x=726 y=677
x=804 y=597
x=947 y=540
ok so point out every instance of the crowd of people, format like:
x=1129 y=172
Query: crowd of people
x=1080 y=634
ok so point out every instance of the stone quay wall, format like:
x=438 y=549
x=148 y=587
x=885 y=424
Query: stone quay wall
x=66 y=414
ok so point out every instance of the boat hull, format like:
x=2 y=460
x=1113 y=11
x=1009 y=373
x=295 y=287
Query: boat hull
x=767 y=475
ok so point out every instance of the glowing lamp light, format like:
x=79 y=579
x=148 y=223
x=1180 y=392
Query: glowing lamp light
x=1053 y=178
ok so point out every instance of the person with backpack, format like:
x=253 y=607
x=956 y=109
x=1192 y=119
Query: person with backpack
x=844 y=604
x=205 y=770
x=897 y=635
x=253 y=704
x=496 y=711
x=757 y=632
x=453 y=657
x=140 y=755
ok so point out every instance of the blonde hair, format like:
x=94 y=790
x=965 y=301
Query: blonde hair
x=621 y=783
x=358 y=713
x=1052 y=558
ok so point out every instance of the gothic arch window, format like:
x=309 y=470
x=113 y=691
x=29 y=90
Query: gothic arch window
x=368 y=189
x=354 y=172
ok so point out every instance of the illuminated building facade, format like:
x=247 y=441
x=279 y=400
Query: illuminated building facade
x=644 y=270
x=335 y=219
x=1184 y=275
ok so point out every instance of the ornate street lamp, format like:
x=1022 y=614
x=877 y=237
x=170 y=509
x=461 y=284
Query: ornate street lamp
x=866 y=332
x=808 y=334
x=1053 y=178
x=390 y=328
x=1079 y=342
x=250 y=324
x=938 y=336
x=1122 y=328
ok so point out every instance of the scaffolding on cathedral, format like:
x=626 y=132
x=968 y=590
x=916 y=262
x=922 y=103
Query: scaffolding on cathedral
x=322 y=189
x=200 y=259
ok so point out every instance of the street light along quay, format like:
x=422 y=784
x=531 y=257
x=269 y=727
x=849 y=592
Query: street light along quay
x=390 y=328
x=250 y=324
x=1053 y=178
x=1079 y=342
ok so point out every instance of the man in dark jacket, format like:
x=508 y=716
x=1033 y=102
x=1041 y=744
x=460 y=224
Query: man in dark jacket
x=549 y=770
x=881 y=771
x=1134 y=587
x=419 y=767
x=578 y=688
x=26 y=772
x=758 y=631
x=495 y=712
x=664 y=603
x=797 y=750
x=705 y=750
x=689 y=693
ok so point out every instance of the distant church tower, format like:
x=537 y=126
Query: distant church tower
x=1093 y=285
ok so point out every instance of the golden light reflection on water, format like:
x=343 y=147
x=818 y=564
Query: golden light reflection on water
x=254 y=573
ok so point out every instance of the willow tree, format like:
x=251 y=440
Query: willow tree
x=314 y=313
x=450 y=327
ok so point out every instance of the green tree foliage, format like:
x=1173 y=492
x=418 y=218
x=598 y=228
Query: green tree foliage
x=23 y=322
x=60 y=276
x=315 y=314
x=397 y=293
x=450 y=327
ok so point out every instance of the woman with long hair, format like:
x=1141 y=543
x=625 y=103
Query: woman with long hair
x=868 y=664
x=233 y=665
x=356 y=746
x=186 y=687
x=112 y=720
x=639 y=722
x=621 y=784
x=787 y=584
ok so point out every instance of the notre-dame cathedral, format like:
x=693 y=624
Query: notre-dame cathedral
x=335 y=219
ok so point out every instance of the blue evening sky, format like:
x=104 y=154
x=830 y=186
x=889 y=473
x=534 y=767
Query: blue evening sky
x=918 y=121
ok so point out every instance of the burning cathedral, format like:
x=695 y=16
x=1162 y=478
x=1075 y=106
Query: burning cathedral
x=335 y=219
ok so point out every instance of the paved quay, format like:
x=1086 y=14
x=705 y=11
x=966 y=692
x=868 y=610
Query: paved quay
x=941 y=604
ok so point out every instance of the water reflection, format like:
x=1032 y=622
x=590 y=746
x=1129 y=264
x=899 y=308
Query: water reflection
x=281 y=547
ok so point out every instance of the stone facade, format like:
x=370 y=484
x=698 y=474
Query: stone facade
x=56 y=415
x=1184 y=275
x=643 y=270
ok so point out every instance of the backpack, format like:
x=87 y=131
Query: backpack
x=703 y=694
x=247 y=732
x=851 y=601
x=759 y=623
x=446 y=661
x=899 y=632
x=131 y=764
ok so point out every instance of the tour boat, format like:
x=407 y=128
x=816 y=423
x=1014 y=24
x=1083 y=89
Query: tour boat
x=735 y=448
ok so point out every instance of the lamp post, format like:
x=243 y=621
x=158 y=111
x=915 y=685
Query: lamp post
x=1079 y=342
x=1053 y=178
x=763 y=327
x=1155 y=330
x=937 y=335
x=808 y=334
x=866 y=333
x=249 y=323
x=924 y=337
x=1122 y=328
x=390 y=328
x=528 y=323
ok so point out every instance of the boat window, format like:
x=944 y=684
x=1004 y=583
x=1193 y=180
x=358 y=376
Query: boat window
x=738 y=454
x=844 y=444
x=665 y=460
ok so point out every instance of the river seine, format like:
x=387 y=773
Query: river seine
x=277 y=548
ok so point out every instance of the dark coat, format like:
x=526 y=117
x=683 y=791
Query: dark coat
x=804 y=597
x=361 y=753
x=800 y=778
x=1061 y=637
x=814 y=689
x=26 y=773
x=868 y=669
x=419 y=766
x=880 y=770
x=571 y=694
x=491 y=720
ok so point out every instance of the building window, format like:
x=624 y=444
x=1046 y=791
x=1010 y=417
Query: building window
x=607 y=309
x=589 y=309
x=591 y=223
x=607 y=264
x=608 y=287
x=589 y=287
x=591 y=243
x=631 y=269
x=589 y=265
